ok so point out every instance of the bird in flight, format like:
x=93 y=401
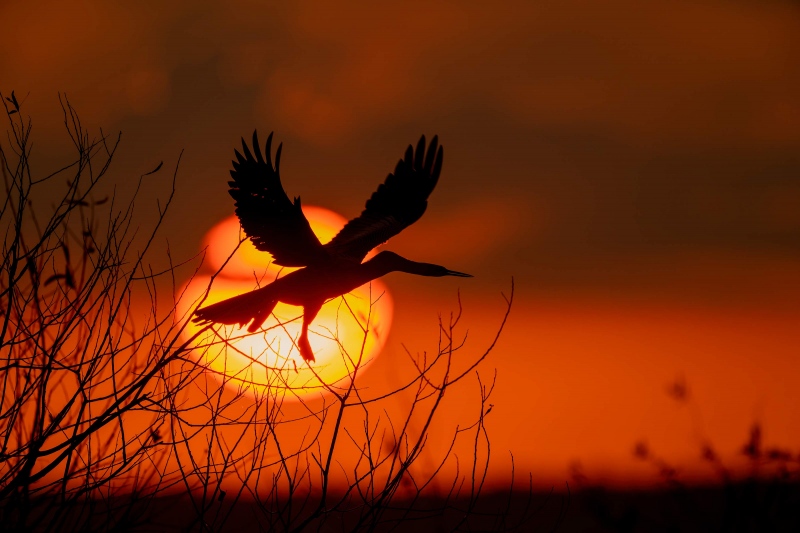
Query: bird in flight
x=277 y=225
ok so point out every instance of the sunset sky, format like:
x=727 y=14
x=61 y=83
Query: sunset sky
x=635 y=167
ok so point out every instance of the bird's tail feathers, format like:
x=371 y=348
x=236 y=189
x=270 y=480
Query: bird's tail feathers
x=256 y=305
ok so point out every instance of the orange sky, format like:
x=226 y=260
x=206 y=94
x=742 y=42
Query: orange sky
x=633 y=166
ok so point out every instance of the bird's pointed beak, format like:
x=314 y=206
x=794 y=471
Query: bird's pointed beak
x=459 y=274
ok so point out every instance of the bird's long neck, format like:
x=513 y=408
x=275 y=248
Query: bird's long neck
x=386 y=262
x=372 y=269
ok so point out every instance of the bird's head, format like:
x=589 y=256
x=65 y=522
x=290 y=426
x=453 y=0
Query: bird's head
x=391 y=262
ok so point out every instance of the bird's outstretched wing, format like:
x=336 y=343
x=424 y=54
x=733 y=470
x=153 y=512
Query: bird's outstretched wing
x=274 y=223
x=399 y=202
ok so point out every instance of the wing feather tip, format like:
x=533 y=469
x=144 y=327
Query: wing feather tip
x=269 y=149
x=246 y=150
x=420 y=153
x=437 y=166
x=257 y=147
x=429 y=157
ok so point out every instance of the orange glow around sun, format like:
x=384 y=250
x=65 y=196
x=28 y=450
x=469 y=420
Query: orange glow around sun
x=347 y=333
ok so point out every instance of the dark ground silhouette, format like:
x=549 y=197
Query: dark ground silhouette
x=749 y=506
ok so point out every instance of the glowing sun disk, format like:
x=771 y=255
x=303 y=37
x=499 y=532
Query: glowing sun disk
x=347 y=333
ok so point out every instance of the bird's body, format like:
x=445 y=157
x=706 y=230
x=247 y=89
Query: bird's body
x=277 y=225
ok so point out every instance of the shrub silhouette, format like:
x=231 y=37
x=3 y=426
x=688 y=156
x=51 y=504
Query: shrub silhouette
x=109 y=415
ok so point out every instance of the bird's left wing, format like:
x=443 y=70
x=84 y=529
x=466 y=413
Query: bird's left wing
x=274 y=223
x=399 y=202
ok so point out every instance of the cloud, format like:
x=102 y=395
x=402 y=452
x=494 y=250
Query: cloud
x=107 y=57
x=472 y=232
x=676 y=72
x=657 y=72
x=682 y=73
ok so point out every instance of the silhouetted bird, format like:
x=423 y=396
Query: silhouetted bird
x=278 y=226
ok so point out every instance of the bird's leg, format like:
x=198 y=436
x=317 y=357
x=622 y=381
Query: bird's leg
x=309 y=313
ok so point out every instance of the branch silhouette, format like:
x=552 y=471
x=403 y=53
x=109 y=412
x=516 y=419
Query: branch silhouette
x=112 y=417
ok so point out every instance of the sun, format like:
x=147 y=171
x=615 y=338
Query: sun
x=348 y=333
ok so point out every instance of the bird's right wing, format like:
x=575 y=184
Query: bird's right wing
x=399 y=202
x=273 y=222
